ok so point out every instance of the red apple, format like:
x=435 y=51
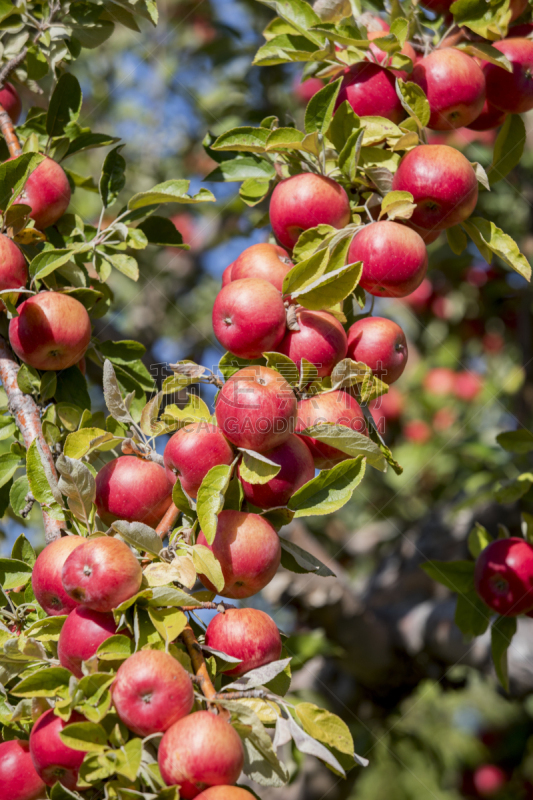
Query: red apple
x=46 y=576
x=249 y=552
x=18 y=778
x=47 y=192
x=269 y=262
x=249 y=317
x=489 y=118
x=102 y=573
x=81 y=635
x=417 y=431
x=52 y=759
x=511 y=91
x=442 y=182
x=226 y=275
x=151 y=692
x=504 y=576
x=338 y=408
x=388 y=407
x=297 y=468
x=521 y=31
x=371 y=91
x=192 y=451
x=256 y=409
x=307 y=89
x=199 y=751
x=132 y=489
x=320 y=340
x=247 y=634
x=394 y=257
x=419 y=299
x=439 y=381
x=381 y=344
x=467 y=385
x=51 y=332
x=11 y=102
x=488 y=779
x=13 y=267
x=454 y=85
x=225 y=793
x=443 y=419
x=305 y=201
x=381 y=55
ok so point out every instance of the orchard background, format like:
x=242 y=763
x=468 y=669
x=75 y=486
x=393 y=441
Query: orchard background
x=375 y=593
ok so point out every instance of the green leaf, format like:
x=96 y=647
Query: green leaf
x=168 y=622
x=457 y=239
x=23 y=551
x=206 y=564
x=253 y=191
x=343 y=124
x=478 y=539
x=162 y=231
x=210 y=500
x=520 y=441
x=113 y=178
x=78 y=484
x=306 y=271
x=414 y=101
x=87 y=736
x=14 y=573
x=326 y=727
x=472 y=616
x=246 y=140
x=241 y=169
x=256 y=468
x=82 y=442
x=296 y=559
x=125 y=264
x=486 y=52
x=321 y=107
x=508 y=147
x=48 y=261
x=129 y=757
x=139 y=535
x=330 y=288
x=284 y=139
x=88 y=140
x=116 y=648
x=397 y=205
x=456 y=575
x=297 y=13
x=13 y=176
x=65 y=105
x=347 y=441
x=329 y=491
x=502 y=631
x=489 y=21
x=50 y=682
x=499 y=243
x=43 y=483
x=284 y=365
x=9 y=463
x=174 y=191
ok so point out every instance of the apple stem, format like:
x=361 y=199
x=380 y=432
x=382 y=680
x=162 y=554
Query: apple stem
x=168 y=521
x=8 y=131
x=28 y=419
x=200 y=667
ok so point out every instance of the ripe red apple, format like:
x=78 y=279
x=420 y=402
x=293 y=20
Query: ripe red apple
x=132 y=489
x=247 y=634
x=199 y=751
x=18 y=778
x=305 y=90
x=454 y=85
x=269 y=262
x=102 y=573
x=521 y=31
x=381 y=344
x=320 y=340
x=417 y=431
x=249 y=552
x=47 y=192
x=249 y=317
x=337 y=407
x=46 y=576
x=439 y=381
x=467 y=385
x=489 y=118
x=11 y=102
x=225 y=793
x=305 y=201
x=52 y=759
x=488 y=779
x=504 y=576
x=51 y=332
x=443 y=184
x=226 y=275
x=13 y=267
x=297 y=468
x=81 y=635
x=256 y=409
x=419 y=299
x=371 y=91
x=192 y=451
x=394 y=257
x=511 y=91
x=151 y=692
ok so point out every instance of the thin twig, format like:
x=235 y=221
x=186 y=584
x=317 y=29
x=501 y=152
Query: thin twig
x=11 y=65
x=168 y=521
x=199 y=666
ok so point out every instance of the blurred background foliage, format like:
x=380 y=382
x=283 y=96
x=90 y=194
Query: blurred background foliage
x=426 y=720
